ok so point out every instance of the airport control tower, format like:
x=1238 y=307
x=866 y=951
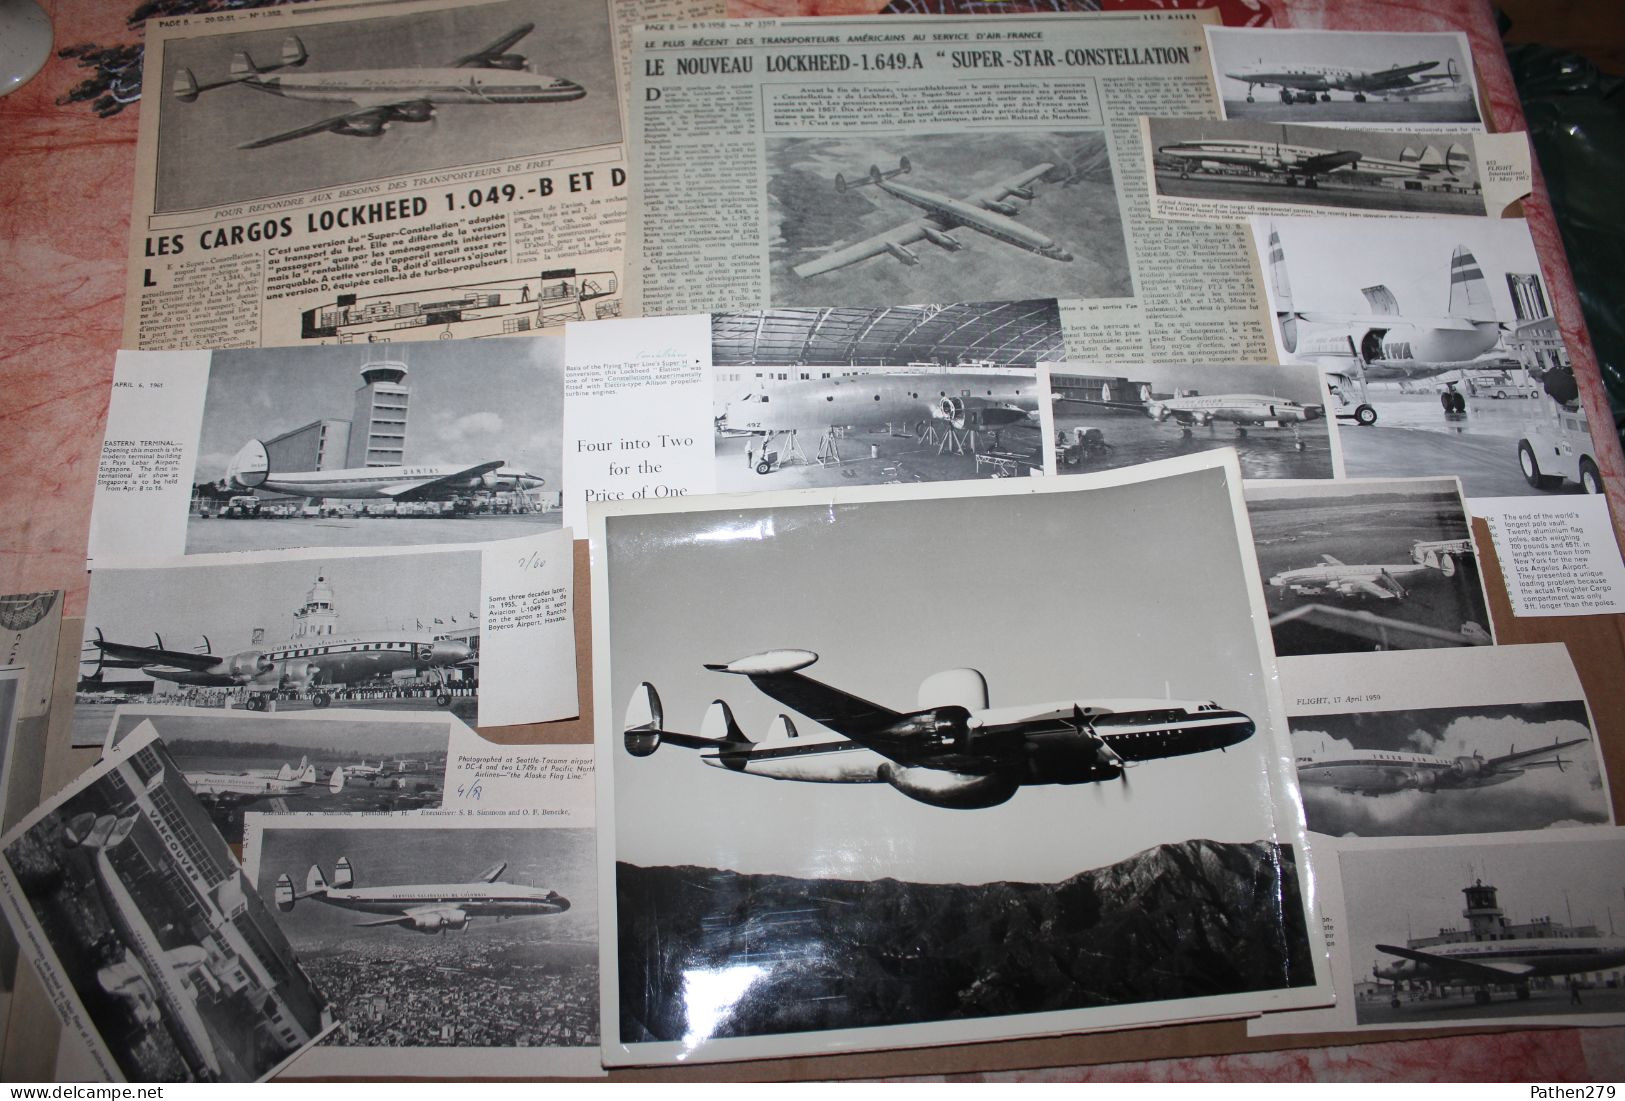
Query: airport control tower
x=316 y=618
x=378 y=427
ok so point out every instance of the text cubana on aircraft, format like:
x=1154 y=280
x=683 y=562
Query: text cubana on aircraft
x=1304 y=83
x=965 y=400
x=985 y=211
x=1380 y=772
x=301 y=667
x=1189 y=408
x=423 y=907
x=1332 y=576
x=1385 y=344
x=250 y=470
x=1301 y=162
x=383 y=96
x=954 y=751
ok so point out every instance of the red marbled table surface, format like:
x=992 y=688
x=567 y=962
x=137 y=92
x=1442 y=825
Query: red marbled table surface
x=65 y=185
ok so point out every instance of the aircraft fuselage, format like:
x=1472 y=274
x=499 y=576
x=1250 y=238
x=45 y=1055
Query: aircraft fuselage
x=1383 y=773
x=473 y=899
x=1398 y=348
x=950 y=212
x=440 y=86
x=1541 y=955
x=965 y=399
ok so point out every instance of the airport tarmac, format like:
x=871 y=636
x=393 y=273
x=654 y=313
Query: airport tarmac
x=1374 y=112
x=1264 y=452
x=91 y=720
x=1413 y=437
x=867 y=458
x=1253 y=189
x=208 y=536
x=1504 y=1004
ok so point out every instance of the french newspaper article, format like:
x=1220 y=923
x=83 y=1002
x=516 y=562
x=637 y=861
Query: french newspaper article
x=871 y=161
x=419 y=170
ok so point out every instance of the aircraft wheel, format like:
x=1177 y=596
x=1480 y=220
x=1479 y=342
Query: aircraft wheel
x=444 y=699
x=1458 y=403
x=1286 y=96
x=1249 y=97
x=1531 y=467
x=321 y=699
x=1325 y=97
x=1590 y=476
x=256 y=703
x=1364 y=415
x=764 y=467
x=1359 y=97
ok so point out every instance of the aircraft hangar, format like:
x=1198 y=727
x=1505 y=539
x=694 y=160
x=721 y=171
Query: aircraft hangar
x=1002 y=334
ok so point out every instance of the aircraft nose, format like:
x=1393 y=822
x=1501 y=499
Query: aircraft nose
x=1064 y=256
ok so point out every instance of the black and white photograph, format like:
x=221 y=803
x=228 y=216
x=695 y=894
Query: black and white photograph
x=312 y=762
x=1477 y=931
x=1440 y=349
x=385 y=631
x=1450 y=770
x=396 y=445
x=872 y=395
x=954 y=217
x=819 y=760
x=1279 y=164
x=1274 y=416
x=467 y=945
x=247 y=115
x=1405 y=79
x=1355 y=566
x=172 y=967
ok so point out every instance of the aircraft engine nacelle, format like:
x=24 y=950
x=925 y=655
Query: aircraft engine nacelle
x=953 y=790
x=1023 y=193
x=297 y=674
x=249 y=664
x=415 y=112
x=941 y=239
x=1467 y=766
x=1158 y=411
x=489 y=480
x=439 y=921
x=363 y=126
x=447 y=652
x=1009 y=210
x=938 y=728
x=511 y=62
x=1422 y=779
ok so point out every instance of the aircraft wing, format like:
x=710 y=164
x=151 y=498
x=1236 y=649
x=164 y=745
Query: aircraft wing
x=1468 y=969
x=1102 y=403
x=125 y=656
x=426 y=487
x=1326 y=162
x=375 y=114
x=1523 y=755
x=1397 y=77
x=1009 y=186
x=891 y=241
x=481 y=59
x=1368 y=588
x=844 y=713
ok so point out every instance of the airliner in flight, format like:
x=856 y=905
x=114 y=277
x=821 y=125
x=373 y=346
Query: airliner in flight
x=422 y=907
x=384 y=96
x=986 y=212
x=954 y=751
x=250 y=470
x=1383 y=772
x=1304 y=83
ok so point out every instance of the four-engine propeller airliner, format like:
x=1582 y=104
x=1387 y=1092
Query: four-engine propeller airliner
x=295 y=668
x=1382 y=772
x=1304 y=83
x=1306 y=163
x=1384 y=344
x=287 y=780
x=965 y=400
x=984 y=211
x=953 y=751
x=385 y=96
x=423 y=907
x=1189 y=408
x=1332 y=576
x=250 y=470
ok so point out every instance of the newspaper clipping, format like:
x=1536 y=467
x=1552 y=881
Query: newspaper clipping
x=422 y=170
x=865 y=162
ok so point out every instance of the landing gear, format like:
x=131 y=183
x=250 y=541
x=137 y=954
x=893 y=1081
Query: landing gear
x=1286 y=96
x=443 y=699
x=320 y=699
x=1364 y=415
x=1359 y=97
x=1325 y=97
x=1249 y=95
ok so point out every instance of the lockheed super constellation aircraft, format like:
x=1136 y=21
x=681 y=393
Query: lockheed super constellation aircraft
x=293 y=668
x=1188 y=408
x=423 y=907
x=287 y=780
x=1381 y=772
x=385 y=96
x=1332 y=576
x=1309 y=164
x=1303 y=83
x=954 y=751
x=250 y=469
x=1384 y=344
x=984 y=211
x=966 y=400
